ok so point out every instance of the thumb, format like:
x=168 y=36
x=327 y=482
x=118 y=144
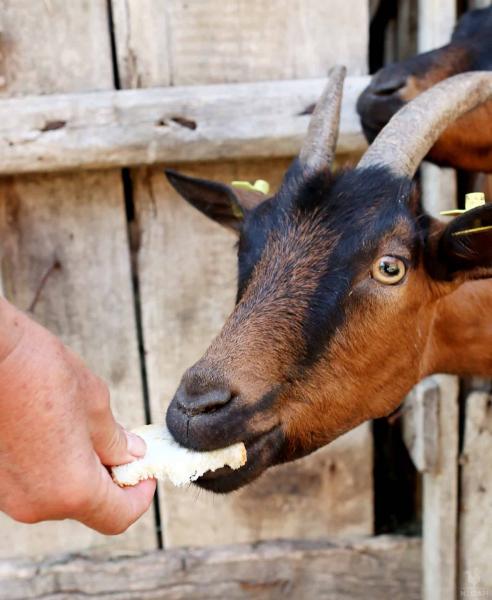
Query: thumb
x=112 y=443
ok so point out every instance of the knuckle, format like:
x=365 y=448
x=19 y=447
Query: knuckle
x=25 y=514
x=116 y=529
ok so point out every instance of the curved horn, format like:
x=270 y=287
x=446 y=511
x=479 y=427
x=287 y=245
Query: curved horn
x=318 y=149
x=412 y=131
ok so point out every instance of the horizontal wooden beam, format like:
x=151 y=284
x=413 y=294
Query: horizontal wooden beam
x=165 y=125
x=381 y=567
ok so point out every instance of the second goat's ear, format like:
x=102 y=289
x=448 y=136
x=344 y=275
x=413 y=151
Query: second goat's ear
x=221 y=202
x=464 y=247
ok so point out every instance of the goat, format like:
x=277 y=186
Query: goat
x=466 y=143
x=348 y=292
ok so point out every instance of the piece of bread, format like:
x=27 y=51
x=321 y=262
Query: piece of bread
x=166 y=458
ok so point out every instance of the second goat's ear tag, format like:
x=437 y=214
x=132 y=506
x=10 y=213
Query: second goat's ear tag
x=472 y=200
x=478 y=229
x=260 y=185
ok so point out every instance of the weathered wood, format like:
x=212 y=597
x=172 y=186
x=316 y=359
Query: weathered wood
x=421 y=425
x=385 y=567
x=440 y=501
x=182 y=42
x=436 y=22
x=70 y=233
x=132 y=127
x=476 y=498
x=73 y=229
x=46 y=48
x=440 y=489
x=186 y=264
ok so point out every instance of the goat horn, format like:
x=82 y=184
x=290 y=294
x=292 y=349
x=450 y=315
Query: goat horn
x=318 y=149
x=406 y=139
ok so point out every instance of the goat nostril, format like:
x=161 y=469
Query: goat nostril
x=388 y=85
x=209 y=401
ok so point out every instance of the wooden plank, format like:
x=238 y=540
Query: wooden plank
x=385 y=567
x=476 y=498
x=186 y=264
x=440 y=501
x=421 y=432
x=45 y=47
x=78 y=222
x=436 y=23
x=440 y=488
x=132 y=127
x=190 y=42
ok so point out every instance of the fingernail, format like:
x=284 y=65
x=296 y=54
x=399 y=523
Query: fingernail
x=135 y=445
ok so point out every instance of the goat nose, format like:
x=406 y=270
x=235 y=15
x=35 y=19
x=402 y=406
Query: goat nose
x=196 y=395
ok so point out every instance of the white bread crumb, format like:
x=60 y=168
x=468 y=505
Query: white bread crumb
x=166 y=458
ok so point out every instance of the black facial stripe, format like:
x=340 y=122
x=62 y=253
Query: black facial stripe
x=355 y=250
x=353 y=212
x=326 y=313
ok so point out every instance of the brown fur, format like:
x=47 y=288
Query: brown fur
x=467 y=143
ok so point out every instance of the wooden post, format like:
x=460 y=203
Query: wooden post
x=73 y=227
x=476 y=498
x=439 y=451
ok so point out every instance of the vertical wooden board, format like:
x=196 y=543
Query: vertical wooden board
x=186 y=264
x=436 y=23
x=79 y=220
x=211 y=41
x=76 y=222
x=52 y=45
x=476 y=498
x=440 y=500
x=440 y=488
x=187 y=269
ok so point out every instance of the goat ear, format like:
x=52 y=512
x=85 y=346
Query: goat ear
x=222 y=203
x=465 y=245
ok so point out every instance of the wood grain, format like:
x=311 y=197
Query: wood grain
x=385 y=567
x=191 y=42
x=135 y=127
x=476 y=496
x=75 y=223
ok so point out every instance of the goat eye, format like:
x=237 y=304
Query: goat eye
x=388 y=270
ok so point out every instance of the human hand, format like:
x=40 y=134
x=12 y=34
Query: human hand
x=56 y=433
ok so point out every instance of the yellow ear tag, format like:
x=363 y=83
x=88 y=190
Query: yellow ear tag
x=477 y=229
x=471 y=201
x=260 y=185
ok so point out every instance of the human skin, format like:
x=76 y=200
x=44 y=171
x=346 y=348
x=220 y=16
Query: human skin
x=57 y=432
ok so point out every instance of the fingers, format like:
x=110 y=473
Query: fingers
x=112 y=443
x=115 y=508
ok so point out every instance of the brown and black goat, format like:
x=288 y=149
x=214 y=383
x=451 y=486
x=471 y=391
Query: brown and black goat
x=348 y=292
x=466 y=143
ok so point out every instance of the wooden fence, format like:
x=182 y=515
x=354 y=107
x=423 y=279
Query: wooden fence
x=96 y=96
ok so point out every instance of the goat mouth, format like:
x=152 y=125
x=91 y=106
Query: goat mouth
x=263 y=452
